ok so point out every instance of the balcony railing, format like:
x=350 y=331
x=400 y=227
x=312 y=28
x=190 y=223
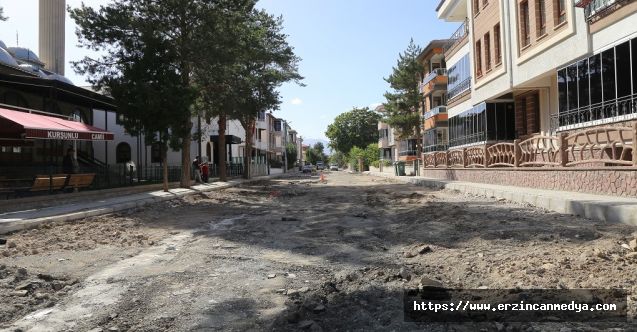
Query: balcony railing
x=621 y=109
x=407 y=153
x=435 y=147
x=599 y=7
x=434 y=73
x=459 y=88
x=458 y=36
x=434 y=111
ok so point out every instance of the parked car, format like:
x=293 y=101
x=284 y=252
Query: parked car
x=319 y=165
x=333 y=167
x=308 y=168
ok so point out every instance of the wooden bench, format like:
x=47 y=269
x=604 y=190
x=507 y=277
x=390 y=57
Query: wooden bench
x=53 y=182
x=77 y=181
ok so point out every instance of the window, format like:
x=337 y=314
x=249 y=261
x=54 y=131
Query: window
x=478 y=59
x=525 y=37
x=540 y=9
x=496 y=44
x=571 y=81
x=459 y=77
x=487 y=51
x=484 y=122
x=561 y=88
x=598 y=87
x=608 y=74
x=634 y=64
x=560 y=11
x=485 y=3
x=476 y=7
x=583 y=83
x=122 y=153
x=155 y=153
x=622 y=62
x=120 y=118
x=595 y=78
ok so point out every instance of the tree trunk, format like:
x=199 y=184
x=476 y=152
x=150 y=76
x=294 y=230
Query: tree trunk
x=247 y=160
x=164 y=162
x=186 y=162
x=222 y=148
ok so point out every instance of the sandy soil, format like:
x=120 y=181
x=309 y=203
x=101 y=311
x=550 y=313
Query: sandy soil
x=294 y=254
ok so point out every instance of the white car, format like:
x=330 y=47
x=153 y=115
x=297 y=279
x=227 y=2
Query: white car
x=333 y=167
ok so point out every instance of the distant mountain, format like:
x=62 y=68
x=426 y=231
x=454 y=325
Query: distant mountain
x=312 y=141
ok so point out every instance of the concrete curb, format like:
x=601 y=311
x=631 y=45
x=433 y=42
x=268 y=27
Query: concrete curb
x=12 y=226
x=597 y=207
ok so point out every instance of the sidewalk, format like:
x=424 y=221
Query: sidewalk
x=611 y=209
x=18 y=220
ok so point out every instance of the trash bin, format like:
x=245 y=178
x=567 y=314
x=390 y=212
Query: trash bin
x=399 y=168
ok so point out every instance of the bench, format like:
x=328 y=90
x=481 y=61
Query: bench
x=53 y=182
x=77 y=181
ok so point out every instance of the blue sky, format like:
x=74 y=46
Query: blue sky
x=347 y=47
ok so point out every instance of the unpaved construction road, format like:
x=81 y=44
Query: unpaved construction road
x=294 y=254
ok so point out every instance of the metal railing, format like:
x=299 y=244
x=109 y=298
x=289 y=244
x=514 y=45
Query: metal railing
x=434 y=73
x=408 y=153
x=596 y=7
x=459 y=88
x=458 y=35
x=596 y=114
x=436 y=147
x=434 y=111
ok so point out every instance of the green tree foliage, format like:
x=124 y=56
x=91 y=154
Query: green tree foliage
x=338 y=158
x=403 y=102
x=315 y=153
x=267 y=61
x=291 y=153
x=215 y=75
x=148 y=51
x=358 y=127
x=370 y=154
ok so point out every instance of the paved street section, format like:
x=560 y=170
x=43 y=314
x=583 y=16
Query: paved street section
x=297 y=254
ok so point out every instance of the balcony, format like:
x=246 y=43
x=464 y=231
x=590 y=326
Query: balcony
x=457 y=38
x=598 y=8
x=435 y=73
x=434 y=111
x=408 y=153
x=459 y=88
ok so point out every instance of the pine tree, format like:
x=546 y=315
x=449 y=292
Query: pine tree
x=405 y=98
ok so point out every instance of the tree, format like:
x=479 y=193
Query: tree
x=267 y=62
x=216 y=73
x=154 y=44
x=291 y=153
x=404 y=101
x=315 y=153
x=2 y=17
x=338 y=158
x=358 y=127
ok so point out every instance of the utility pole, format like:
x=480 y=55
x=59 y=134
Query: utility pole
x=285 y=146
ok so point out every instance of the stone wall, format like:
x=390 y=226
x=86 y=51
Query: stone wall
x=616 y=181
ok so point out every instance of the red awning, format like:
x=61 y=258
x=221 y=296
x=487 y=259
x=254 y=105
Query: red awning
x=39 y=126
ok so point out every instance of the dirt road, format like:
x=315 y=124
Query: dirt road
x=294 y=254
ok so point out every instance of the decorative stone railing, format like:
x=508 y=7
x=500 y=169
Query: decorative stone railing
x=605 y=146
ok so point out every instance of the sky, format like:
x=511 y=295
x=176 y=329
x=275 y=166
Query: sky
x=347 y=47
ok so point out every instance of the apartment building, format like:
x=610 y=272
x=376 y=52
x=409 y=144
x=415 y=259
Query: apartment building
x=386 y=139
x=552 y=94
x=434 y=89
x=533 y=65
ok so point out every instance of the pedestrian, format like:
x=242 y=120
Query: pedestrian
x=69 y=163
x=196 y=164
x=204 y=171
